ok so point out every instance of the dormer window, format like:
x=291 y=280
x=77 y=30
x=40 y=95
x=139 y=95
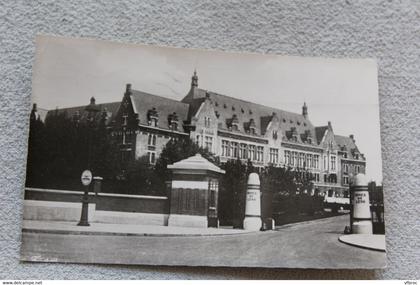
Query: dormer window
x=152 y=117
x=252 y=127
x=234 y=123
x=173 y=121
x=294 y=134
x=275 y=135
x=308 y=136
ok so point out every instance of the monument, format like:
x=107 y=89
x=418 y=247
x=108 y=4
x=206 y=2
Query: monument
x=362 y=219
x=252 y=219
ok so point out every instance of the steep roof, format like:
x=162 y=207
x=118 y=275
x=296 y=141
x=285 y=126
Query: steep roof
x=143 y=102
x=319 y=133
x=80 y=111
x=226 y=107
x=348 y=145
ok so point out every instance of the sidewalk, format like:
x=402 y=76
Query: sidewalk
x=372 y=242
x=57 y=227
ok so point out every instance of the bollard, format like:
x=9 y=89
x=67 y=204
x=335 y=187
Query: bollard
x=252 y=219
x=362 y=219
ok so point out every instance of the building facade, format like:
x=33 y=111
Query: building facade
x=231 y=128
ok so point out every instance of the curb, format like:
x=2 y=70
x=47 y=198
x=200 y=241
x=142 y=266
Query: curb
x=361 y=246
x=70 y=232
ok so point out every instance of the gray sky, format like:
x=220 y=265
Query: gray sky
x=68 y=72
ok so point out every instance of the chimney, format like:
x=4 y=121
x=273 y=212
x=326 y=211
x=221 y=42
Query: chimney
x=92 y=100
x=352 y=138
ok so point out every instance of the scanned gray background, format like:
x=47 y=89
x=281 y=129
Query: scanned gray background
x=386 y=30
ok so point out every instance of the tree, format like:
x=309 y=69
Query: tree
x=232 y=192
x=35 y=167
x=176 y=150
x=62 y=148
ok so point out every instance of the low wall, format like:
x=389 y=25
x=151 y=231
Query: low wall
x=132 y=203
x=59 y=205
x=54 y=211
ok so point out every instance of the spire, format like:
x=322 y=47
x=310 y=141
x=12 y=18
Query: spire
x=34 y=112
x=194 y=79
x=305 y=110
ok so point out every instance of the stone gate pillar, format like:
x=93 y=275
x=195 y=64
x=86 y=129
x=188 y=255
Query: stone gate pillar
x=194 y=193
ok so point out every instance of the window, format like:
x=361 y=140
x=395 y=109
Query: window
x=308 y=161
x=260 y=153
x=295 y=158
x=251 y=152
x=346 y=168
x=325 y=162
x=292 y=158
x=225 y=148
x=274 y=155
x=316 y=161
x=242 y=151
x=333 y=162
x=124 y=122
x=345 y=180
x=287 y=157
x=207 y=122
x=209 y=143
x=153 y=122
x=357 y=169
x=152 y=140
x=234 y=149
x=213 y=187
x=197 y=139
x=325 y=178
x=301 y=160
x=174 y=126
x=152 y=157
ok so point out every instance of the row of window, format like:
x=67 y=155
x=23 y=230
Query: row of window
x=301 y=159
x=242 y=151
x=356 y=168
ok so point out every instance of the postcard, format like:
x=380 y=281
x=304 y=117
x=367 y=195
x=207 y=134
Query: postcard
x=155 y=155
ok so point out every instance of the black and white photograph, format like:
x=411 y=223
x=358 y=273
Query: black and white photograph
x=152 y=155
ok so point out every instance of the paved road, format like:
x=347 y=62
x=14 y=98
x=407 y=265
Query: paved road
x=311 y=244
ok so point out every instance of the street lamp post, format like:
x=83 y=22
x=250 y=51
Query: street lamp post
x=86 y=178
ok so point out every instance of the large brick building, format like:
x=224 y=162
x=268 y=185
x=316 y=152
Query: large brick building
x=230 y=128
